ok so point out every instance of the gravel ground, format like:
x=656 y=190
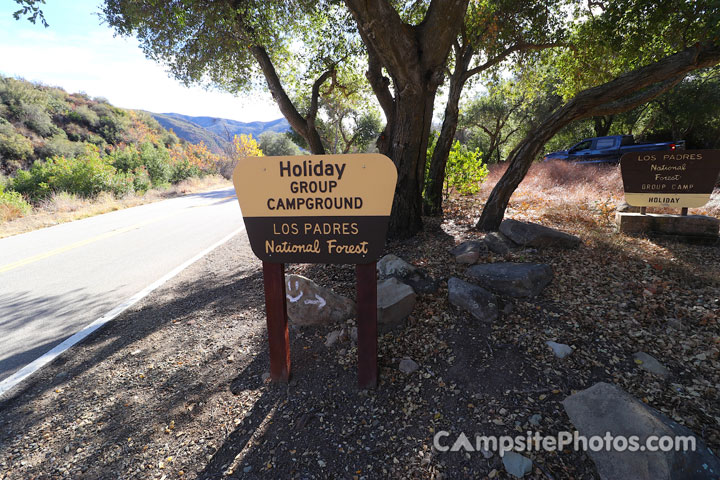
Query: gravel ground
x=175 y=387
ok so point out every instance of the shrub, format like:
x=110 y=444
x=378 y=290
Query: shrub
x=84 y=116
x=13 y=145
x=114 y=123
x=184 y=169
x=126 y=159
x=141 y=180
x=464 y=171
x=12 y=205
x=121 y=184
x=59 y=146
x=277 y=144
x=16 y=93
x=86 y=176
x=157 y=161
x=36 y=119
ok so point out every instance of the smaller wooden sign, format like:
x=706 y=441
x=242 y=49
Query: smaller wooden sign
x=674 y=178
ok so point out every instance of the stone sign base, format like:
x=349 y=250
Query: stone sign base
x=698 y=228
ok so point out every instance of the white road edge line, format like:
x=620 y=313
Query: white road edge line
x=48 y=357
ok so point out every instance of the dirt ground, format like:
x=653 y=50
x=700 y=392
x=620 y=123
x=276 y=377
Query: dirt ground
x=174 y=388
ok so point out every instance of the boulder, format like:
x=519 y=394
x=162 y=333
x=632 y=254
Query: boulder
x=498 y=243
x=607 y=408
x=650 y=364
x=517 y=465
x=395 y=301
x=513 y=279
x=335 y=336
x=392 y=266
x=560 y=349
x=408 y=366
x=530 y=234
x=469 y=251
x=475 y=300
x=310 y=304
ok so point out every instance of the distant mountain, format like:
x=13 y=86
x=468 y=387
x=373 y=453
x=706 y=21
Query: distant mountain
x=215 y=132
x=190 y=131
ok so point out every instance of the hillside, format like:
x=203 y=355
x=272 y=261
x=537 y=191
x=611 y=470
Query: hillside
x=61 y=147
x=217 y=133
x=190 y=131
x=39 y=122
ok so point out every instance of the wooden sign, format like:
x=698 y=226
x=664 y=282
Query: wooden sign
x=675 y=178
x=316 y=208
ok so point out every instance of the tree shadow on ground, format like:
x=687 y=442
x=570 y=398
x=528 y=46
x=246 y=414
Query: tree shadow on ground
x=142 y=395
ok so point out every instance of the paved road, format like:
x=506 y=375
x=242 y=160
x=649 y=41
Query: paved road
x=55 y=281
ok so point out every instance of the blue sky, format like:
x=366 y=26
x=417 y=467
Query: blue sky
x=79 y=54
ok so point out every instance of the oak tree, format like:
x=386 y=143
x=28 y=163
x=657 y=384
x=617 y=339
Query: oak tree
x=623 y=54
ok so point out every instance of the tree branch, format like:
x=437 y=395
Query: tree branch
x=522 y=46
x=296 y=121
x=440 y=27
x=380 y=84
x=638 y=99
x=315 y=95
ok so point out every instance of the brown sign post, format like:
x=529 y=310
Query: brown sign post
x=672 y=178
x=317 y=209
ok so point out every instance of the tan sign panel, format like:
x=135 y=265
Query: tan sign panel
x=675 y=178
x=316 y=208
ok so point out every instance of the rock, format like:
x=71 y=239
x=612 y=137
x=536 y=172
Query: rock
x=480 y=303
x=408 y=366
x=310 y=304
x=469 y=251
x=607 y=408
x=334 y=336
x=265 y=376
x=392 y=266
x=530 y=234
x=626 y=207
x=487 y=454
x=560 y=349
x=395 y=301
x=535 y=419
x=650 y=364
x=498 y=243
x=247 y=469
x=513 y=279
x=353 y=334
x=517 y=465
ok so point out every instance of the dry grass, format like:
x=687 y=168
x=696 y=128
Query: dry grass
x=9 y=212
x=557 y=193
x=64 y=207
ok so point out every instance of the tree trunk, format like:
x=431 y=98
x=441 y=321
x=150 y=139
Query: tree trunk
x=519 y=163
x=414 y=57
x=407 y=148
x=436 y=174
x=602 y=125
x=619 y=95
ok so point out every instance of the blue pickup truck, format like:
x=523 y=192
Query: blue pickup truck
x=609 y=149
